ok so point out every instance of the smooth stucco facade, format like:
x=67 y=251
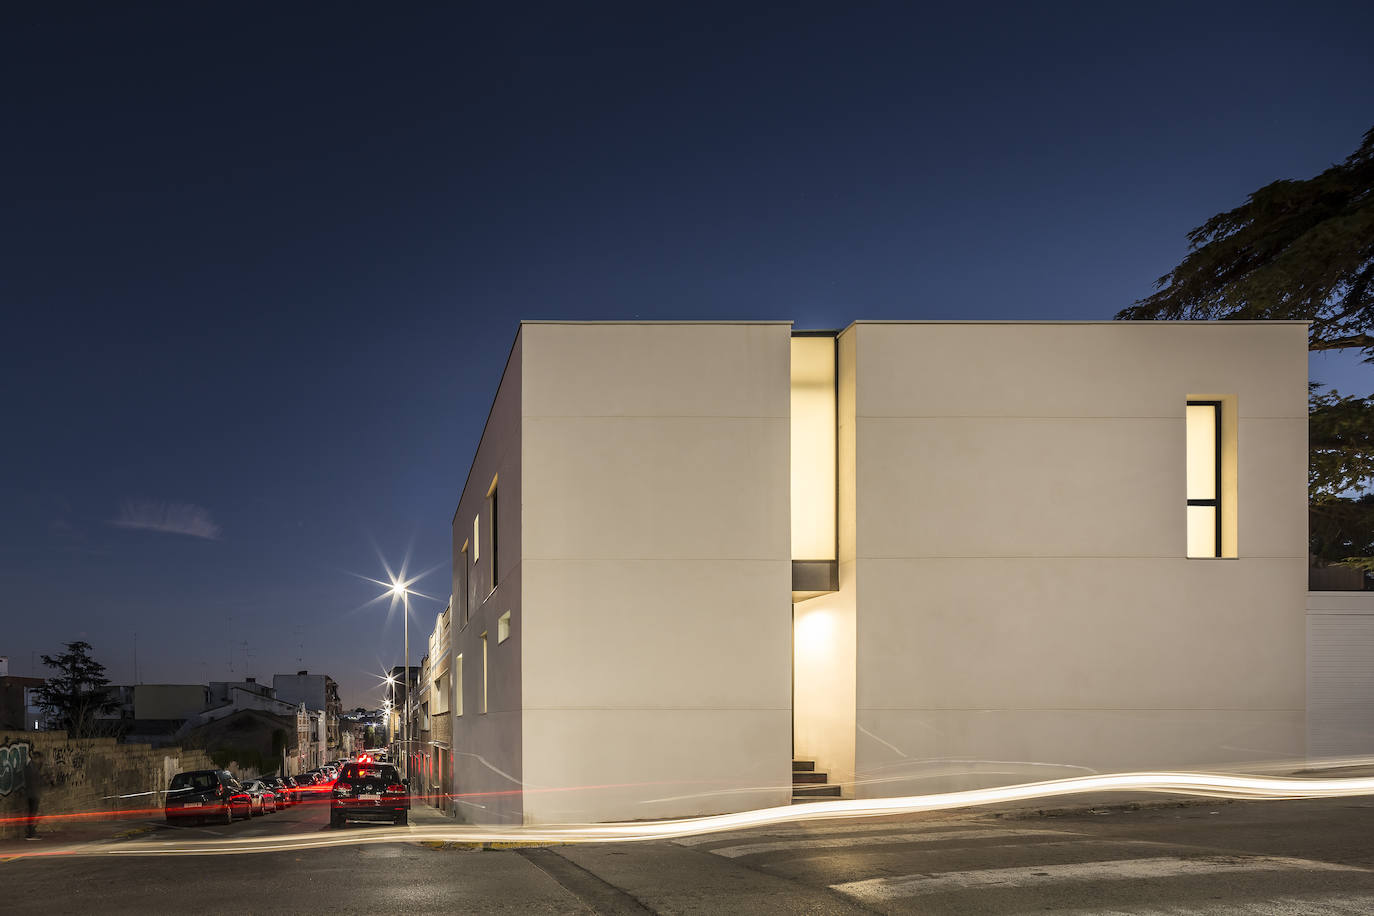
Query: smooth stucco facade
x=1013 y=598
x=1025 y=608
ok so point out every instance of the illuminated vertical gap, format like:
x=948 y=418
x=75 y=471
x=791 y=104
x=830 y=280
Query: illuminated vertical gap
x=813 y=446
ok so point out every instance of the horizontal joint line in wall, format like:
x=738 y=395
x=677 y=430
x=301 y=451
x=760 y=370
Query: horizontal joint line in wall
x=656 y=416
x=1099 y=556
x=662 y=559
x=786 y=709
x=991 y=416
x=1076 y=709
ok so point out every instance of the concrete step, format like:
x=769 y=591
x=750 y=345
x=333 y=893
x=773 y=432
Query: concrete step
x=803 y=766
x=800 y=777
x=809 y=793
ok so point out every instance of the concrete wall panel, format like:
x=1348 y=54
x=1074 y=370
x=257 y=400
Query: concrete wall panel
x=486 y=752
x=1113 y=369
x=1020 y=540
x=653 y=634
x=1021 y=487
x=658 y=369
x=690 y=488
x=631 y=764
x=656 y=569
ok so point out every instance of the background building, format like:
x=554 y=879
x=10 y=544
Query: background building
x=317 y=692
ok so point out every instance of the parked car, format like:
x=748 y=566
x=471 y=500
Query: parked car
x=282 y=786
x=264 y=798
x=309 y=785
x=369 y=791
x=207 y=795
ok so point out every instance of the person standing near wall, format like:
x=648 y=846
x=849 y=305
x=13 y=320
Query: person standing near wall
x=34 y=780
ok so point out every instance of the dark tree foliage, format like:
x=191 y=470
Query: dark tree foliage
x=1294 y=250
x=1300 y=249
x=1340 y=438
x=77 y=693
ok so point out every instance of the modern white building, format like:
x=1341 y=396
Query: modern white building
x=923 y=555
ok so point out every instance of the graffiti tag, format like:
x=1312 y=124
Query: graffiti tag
x=13 y=758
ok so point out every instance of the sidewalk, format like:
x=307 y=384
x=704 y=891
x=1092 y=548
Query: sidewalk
x=423 y=814
x=55 y=831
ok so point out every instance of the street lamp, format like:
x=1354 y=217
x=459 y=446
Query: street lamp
x=398 y=587
x=399 y=590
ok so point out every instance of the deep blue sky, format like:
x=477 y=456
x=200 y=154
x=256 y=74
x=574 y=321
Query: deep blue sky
x=261 y=272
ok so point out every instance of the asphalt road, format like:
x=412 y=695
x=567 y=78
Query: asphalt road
x=1293 y=857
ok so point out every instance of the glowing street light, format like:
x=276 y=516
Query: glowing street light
x=398 y=588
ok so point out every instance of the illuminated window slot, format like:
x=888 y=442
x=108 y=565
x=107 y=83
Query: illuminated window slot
x=1204 y=479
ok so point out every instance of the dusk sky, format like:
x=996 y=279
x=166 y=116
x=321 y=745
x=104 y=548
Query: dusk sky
x=261 y=271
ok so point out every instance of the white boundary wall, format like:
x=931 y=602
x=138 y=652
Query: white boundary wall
x=1340 y=674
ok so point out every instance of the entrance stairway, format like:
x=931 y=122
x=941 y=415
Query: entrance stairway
x=809 y=785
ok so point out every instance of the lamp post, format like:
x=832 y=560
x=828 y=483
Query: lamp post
x=399 y=590
x=398 y=587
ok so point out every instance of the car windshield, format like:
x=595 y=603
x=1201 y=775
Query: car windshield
x=193 y=781
x=370 y=771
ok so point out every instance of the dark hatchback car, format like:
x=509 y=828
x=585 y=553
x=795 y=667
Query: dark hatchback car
x=202 y=795
x=369 y=792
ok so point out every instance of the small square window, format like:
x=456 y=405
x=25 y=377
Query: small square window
x=503 y=627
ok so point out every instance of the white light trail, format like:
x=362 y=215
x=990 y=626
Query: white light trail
x=1203 y=784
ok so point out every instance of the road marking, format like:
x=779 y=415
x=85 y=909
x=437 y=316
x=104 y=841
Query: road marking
x=875 y=890
x=782 y=832
x=863 y=842
x=1323 y=905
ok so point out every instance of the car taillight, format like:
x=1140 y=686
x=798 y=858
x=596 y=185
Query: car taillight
x=342 y=788
x=396 y=789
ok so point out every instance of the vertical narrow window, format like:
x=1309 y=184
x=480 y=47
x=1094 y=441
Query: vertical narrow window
x=484 y=673
x=1204 y=478
x=464 y=597
x=472 y=587
x=457 y=685
x=476 y=527
x=503 y=628
x=491 y=513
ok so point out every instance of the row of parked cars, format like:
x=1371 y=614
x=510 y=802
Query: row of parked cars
x=198 y=796
x=364 y=788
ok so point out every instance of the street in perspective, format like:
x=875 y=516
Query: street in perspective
x=1147 y=856
x=688 y=459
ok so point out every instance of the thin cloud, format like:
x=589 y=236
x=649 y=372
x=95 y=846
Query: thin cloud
x=170 y=518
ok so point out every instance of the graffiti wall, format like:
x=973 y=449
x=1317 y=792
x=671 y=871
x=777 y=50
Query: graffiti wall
x=14 y=756
x=97 y=778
